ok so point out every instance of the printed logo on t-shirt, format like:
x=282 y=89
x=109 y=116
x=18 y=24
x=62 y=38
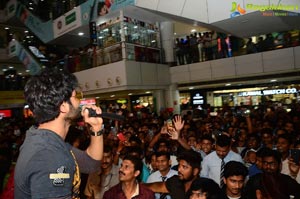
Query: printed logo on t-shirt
x=58 y=178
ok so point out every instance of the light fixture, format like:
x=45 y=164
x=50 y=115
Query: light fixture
x=135 y=27
x=193 y=30
x=147 y=92
x=175 y=33
x=6 y=28
x=129 y=93
x=97 y=97
x=11 y=67
x=273 y=80
x=25 y=31
x=27 y=71
x=191 y=88
x=227 y=84
x=19 y=73
x=112 y=96
x=4 y=69
x=80 y=33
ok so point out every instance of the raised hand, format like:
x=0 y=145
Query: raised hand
x=178 y=123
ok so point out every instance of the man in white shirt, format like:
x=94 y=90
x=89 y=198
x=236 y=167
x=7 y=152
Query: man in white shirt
x=164 y=172
x=212 y=163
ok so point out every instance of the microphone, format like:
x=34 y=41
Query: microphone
x=111 y=116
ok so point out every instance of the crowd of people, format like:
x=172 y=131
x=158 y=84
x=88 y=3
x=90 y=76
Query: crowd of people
x=146 y=155
x=199 y=47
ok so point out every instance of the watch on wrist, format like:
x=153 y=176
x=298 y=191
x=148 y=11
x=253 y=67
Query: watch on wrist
x=98 y=133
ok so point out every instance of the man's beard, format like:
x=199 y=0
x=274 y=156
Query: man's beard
x=73 y=114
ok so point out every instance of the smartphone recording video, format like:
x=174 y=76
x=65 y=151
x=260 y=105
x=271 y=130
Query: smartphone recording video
x=121 y=137
x=295 y=155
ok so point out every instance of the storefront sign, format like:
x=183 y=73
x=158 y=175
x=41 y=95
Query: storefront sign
x=269 y=92
x=198 y=99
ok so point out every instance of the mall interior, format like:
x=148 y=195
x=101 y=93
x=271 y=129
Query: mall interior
x=153 y=54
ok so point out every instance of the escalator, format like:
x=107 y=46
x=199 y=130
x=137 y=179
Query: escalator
x=48 y=31
x=30 y=56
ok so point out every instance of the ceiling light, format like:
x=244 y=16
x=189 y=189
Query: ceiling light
x=193 y=30
x=97 y=97
x=6 y=28
x=11 y=67
x=19 y=73
x=26 y=31
x=135 y=27
x=129 y=93
x=147 y=92
x=80 y=33
x=191 y=88
x=273 y=80
x=27 y=71
x=4 y=69
x=227 y=84
x=175 y=33
x=112 y=96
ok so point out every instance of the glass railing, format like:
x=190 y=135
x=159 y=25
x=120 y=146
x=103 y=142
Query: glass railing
x=92 y=58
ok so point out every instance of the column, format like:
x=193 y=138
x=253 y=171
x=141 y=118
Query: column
x=159 y=100
x=173 y=99
x=167 y=40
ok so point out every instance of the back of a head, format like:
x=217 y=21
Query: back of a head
x=223 y=141
x=191 y=157
x=208 y=186
x=234 y=168
x=45 y=92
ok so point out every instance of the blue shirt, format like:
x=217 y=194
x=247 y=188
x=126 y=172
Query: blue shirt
x=211 y=164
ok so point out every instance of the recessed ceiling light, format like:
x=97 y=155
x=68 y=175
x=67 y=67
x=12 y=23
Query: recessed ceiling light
x=6 y=28
x=191 y=88
x=129 y=93
x=273 y=80
x=227 y=84
x=112 y=96
x=147 y=92
x=11 y=67
x=193 y=30
x=97 y=97
x=80 y=33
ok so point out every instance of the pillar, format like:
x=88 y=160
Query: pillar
x=167 y=40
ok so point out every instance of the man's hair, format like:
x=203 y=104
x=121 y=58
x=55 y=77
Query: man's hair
x=208 y=186
x=45 y=92
x=107 y=149
x=163 y=153
x=261 y=151
x=192 y=158
x=285 y=136
x=162 y=140
x=137 y=162
x=208 y=137
x=234 y=168
x=223 y=140
x=134 y=149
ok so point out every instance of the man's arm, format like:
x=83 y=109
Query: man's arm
x=157 y=187
x=95 y=149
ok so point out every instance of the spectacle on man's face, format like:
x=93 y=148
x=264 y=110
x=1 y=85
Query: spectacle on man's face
x=270 y=165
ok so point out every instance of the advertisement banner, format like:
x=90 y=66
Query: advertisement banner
x=67 y=22
x=43 y=30
x=102 y=7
